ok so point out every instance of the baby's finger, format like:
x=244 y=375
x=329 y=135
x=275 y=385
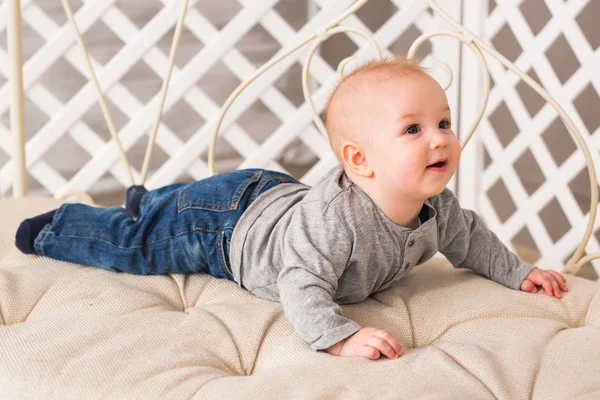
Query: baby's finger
x=547 y=285
x=561 y=280
x=383 y=346
x=369 y=352
x=390 y=339
x=528 y=286
x=555 y=288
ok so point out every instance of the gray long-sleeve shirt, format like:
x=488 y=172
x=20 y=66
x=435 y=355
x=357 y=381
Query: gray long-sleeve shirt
x=315 y=248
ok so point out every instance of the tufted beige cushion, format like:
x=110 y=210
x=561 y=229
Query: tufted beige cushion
x=69 y=331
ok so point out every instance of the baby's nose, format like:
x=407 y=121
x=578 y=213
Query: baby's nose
x=438 y=140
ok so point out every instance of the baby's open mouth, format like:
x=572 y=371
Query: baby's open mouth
x=438 y=164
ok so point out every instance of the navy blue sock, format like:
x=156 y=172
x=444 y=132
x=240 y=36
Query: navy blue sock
x=29 y=229
x=133 y=199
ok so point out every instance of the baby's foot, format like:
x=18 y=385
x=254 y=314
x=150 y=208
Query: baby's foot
x=133 y=199
x=30 y=229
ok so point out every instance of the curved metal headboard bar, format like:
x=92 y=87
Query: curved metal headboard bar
x=107 y=116
x=106 y=112
x=575 y=263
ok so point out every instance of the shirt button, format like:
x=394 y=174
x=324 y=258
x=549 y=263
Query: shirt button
x=411 y=243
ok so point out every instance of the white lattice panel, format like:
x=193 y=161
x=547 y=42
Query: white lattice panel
x=534 y=189
x=216 y=52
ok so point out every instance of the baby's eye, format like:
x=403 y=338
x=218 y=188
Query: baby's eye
x=444 y=124
x=413 y=129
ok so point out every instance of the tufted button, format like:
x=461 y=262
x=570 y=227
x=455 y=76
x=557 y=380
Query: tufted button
x=411 y=243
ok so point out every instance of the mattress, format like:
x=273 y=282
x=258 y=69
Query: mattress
x=74 y=331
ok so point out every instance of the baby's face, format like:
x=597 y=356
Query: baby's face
x=412 y=148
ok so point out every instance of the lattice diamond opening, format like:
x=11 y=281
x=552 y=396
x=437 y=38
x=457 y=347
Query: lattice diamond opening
x=59 y=161
x=588 y=21
x=562 y=58
x=554 y=219
x=218 y=83
x=295 y=13
x=536 y=13
x=503 y=204
x=54 y=9
x=259 y=122
x=142 y=82
x=96 y=122
x=344 y=46
x=587 y=104
x=403 y=43
x=504 y=124
x=183 y=120
x=189 y=46
x=258 y=45
x=63 y=80
x=529 y=172
x=375 y=15
x=525 y=247
x=580 y=186
x=531 y=99
x=507 y=44
x=558 y=141
x=219 y=12
x=102 y=43
x=140 y=12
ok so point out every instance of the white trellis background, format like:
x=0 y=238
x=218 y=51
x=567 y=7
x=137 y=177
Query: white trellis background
x=534 y=189
x=525 y=227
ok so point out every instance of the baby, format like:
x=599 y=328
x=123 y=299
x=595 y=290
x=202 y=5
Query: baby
x=358 y=231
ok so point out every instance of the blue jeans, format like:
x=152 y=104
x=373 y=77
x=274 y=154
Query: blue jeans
x=182 y=228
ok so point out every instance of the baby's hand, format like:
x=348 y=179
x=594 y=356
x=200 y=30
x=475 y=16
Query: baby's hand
x=552 y=282
x=369 y=343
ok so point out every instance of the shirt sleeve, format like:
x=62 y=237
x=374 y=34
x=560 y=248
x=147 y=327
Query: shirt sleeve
x=467 y=243
x=316 y=250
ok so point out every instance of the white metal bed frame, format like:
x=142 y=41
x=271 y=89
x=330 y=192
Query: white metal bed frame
x=471 y=40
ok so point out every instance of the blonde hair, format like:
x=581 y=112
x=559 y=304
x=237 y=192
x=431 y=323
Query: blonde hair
x=345 y=101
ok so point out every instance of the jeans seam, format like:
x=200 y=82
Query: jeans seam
x=55 y=220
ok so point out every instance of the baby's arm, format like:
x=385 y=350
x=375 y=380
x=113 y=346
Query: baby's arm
x=308 y=305
x=316 y=250
x=467 y=243
x=307 y=300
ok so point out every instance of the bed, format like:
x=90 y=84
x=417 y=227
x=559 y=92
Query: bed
x=72 y=331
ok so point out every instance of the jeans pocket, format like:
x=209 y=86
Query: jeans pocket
x=268 y=181
x=219 y=193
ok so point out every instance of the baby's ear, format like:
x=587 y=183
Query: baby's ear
x=355 y=158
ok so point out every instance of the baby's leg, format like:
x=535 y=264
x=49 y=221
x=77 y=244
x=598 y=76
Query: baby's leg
x=157 y=243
